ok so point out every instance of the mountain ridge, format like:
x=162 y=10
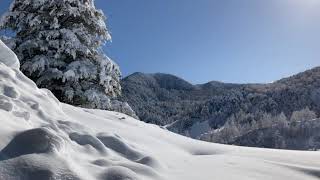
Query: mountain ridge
x=309 y=70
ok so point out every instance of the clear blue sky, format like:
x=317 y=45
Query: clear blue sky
x=203 y=40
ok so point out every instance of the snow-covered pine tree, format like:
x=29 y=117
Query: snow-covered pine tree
x=59 y=45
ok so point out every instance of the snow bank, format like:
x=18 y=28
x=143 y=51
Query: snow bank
x=44 y=139
x=8 y=57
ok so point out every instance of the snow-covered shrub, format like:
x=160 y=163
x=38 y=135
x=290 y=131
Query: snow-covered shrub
x=123 y=107
x=302 y=115
x=59 y=45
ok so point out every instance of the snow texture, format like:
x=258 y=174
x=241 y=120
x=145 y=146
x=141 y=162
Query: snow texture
x=8 y=57
x=57 y=141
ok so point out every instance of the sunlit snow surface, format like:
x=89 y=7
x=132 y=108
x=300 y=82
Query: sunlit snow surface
x=42 y=138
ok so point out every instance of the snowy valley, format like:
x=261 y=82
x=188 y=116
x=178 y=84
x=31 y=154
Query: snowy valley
x=67 y=113
x=42 y=138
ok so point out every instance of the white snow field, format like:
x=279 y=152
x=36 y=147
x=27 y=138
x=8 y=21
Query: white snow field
x=43 y=139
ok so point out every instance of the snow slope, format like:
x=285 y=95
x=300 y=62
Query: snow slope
x=42 y=138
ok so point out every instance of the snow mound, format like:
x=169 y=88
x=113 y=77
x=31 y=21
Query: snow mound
x=39 y=140
x=119 y=173
x=42 y=139
x=88 y=140
x=8 y=57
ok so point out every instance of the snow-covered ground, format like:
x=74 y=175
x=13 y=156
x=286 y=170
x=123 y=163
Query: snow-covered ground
x=42 y=138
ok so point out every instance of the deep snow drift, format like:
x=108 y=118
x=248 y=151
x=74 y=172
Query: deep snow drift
x=42 y=138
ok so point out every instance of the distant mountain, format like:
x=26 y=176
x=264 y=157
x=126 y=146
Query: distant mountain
x=200 y=111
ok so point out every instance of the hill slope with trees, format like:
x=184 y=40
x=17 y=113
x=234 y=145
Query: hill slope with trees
x=215 y=109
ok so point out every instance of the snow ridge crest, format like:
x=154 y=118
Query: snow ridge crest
x=8 y=57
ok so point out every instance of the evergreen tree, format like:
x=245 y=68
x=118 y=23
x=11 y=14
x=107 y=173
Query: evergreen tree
x=59 y=45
